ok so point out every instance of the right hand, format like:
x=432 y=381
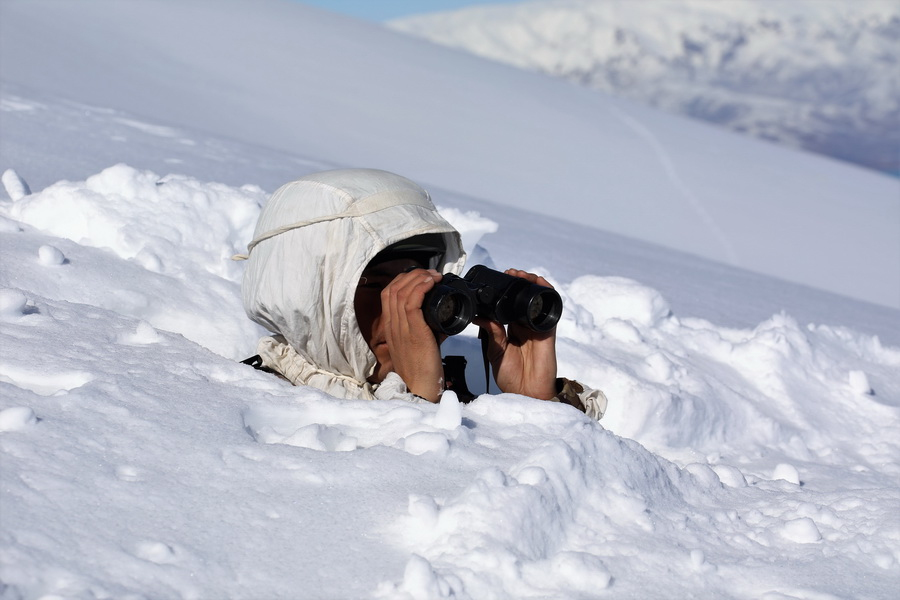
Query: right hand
x=414 y=349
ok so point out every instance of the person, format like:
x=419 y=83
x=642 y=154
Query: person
x=338 y=269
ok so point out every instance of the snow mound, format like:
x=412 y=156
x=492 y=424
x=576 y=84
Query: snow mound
x=471 y=225
x=608 y=298
x=723 y=449
x=150 y=219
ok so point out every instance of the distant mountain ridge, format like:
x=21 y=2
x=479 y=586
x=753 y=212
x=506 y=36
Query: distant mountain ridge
x=822 y=75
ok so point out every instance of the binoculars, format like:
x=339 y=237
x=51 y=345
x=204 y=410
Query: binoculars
x=452 y=304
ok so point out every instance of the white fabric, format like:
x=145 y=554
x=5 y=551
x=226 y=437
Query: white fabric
x=594 y=402
x=394 y=388
x=367 y=205
x=300 y=282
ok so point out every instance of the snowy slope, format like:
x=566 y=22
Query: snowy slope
x=291 y=78
x=816 y=74
x=139 y=463
x=750 y=450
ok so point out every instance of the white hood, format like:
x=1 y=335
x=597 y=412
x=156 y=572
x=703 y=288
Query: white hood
x=312 y=241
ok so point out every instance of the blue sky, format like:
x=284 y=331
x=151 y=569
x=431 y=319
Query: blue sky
x=380 y=10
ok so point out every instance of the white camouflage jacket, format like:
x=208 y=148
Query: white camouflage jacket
x=313 y=239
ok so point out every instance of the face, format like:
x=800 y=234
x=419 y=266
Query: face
x=367 y=304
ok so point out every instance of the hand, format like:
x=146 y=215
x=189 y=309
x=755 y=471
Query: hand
x=523 y=361
x=413 y=347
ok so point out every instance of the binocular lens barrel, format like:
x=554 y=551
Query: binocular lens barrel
x=448 y=309
x=543 y=309
x=483 y=292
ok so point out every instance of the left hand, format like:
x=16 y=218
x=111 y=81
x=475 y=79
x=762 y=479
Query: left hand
x=523 y=361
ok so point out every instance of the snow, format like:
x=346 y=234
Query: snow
x=15 y=186
x=749 y=450
x=814 y=74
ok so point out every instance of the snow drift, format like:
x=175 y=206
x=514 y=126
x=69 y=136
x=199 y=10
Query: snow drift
x=747 y=442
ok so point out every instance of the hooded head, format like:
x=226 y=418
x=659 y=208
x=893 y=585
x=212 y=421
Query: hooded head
x=312 y=241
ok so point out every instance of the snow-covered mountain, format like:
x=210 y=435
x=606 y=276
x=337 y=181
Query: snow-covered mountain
x=823 y=75
x=749 y=450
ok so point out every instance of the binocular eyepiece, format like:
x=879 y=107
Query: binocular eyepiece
x=452 y=304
